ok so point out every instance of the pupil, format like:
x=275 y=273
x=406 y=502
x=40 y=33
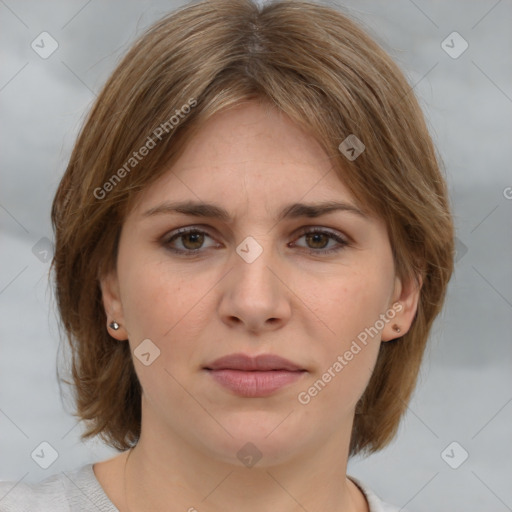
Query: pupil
x=316 y=237
x=198 y=240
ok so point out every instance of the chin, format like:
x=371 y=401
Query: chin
x=257 y=435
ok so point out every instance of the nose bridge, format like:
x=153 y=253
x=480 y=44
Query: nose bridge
x=254 y=295
x=253 y=261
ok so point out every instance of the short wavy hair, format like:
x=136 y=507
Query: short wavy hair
x=310 y=61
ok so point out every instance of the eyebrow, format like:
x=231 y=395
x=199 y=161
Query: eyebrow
x=292 y=211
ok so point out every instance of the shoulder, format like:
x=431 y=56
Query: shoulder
x=374 y=502
x=68 y=491
x=48 y=494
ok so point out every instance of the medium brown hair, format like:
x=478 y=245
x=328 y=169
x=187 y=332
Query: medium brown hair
x=307 y=60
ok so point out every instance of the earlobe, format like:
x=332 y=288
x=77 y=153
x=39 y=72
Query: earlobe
x=404 y=306
x=109 y=286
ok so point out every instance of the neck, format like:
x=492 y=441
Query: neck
x=162 y=471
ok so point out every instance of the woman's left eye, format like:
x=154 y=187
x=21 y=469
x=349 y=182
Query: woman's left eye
x=320 y=238
x=192 y=241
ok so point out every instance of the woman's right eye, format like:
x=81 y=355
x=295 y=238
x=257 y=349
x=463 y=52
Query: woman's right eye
x=191 y=240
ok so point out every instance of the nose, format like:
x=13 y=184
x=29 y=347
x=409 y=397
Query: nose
x=254 y=294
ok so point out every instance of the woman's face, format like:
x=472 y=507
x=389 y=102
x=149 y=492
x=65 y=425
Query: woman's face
x=254 y=280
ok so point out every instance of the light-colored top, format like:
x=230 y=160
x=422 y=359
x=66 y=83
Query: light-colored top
x=80 y=491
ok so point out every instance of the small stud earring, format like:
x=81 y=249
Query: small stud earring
x=114 y=325
x=396 y=328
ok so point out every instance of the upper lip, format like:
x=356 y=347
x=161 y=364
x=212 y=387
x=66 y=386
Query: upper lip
x=244 y=362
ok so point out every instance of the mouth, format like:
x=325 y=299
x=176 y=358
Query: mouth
x=263 y=362
x=253 y=377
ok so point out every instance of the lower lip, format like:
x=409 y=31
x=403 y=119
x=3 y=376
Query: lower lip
x=255 y=383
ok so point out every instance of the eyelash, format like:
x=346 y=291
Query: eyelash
x=306 y=231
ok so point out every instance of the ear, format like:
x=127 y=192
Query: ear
x=405 y=304
x=109 y=285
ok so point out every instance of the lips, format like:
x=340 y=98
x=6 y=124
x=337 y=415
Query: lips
x=243 y=362
x=254 y=377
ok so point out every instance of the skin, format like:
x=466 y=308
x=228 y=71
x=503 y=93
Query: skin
x=305 y=306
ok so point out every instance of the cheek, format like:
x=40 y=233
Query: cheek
x=349 y=300
x=163 y=304
x=350 y=305
x=146 y=302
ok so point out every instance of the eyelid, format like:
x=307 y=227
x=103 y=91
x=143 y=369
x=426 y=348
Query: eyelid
x=323 y=229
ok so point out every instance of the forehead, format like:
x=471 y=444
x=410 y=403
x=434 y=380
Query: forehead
x=252 y=155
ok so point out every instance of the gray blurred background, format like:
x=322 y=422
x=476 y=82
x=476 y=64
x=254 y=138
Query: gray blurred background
x=463 y=404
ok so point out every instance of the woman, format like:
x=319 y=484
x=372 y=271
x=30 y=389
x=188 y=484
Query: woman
x=253 y=238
